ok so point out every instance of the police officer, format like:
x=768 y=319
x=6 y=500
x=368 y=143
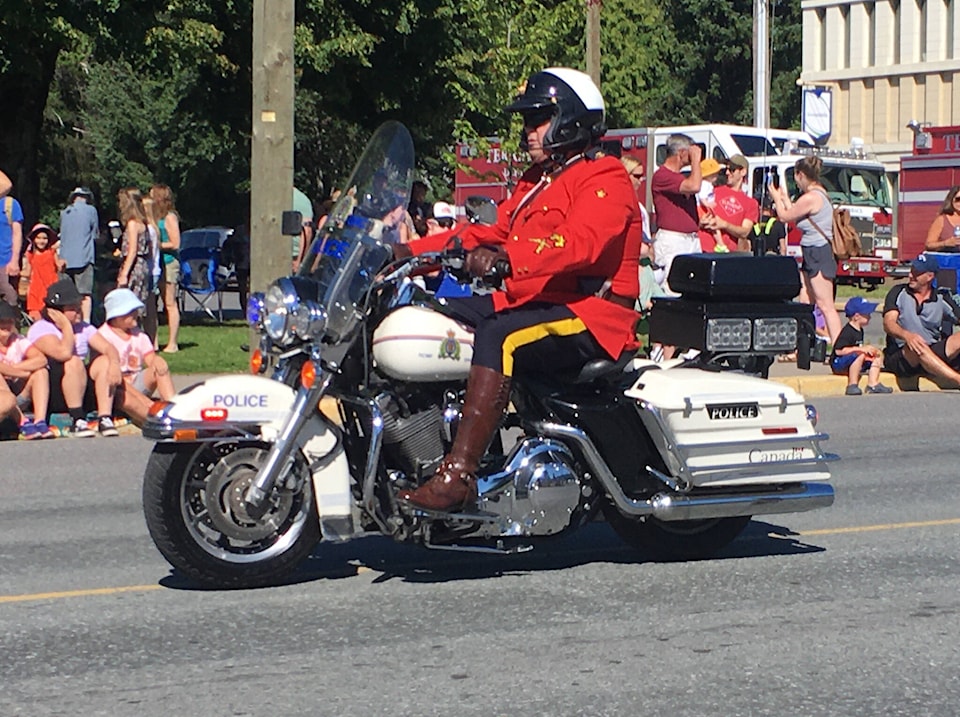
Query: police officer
x=571 y=232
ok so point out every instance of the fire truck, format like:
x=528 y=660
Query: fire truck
x=926 y=175
x=853 y=179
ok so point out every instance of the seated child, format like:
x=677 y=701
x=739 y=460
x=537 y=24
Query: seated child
x=144 y=371
x=66 y=340
x=44 y=264
x=851 y=356
x=26 y=381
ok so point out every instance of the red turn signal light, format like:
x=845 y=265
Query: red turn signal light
x=308 y=374
x=779 y=431
x=213 y=414
x=156 y=407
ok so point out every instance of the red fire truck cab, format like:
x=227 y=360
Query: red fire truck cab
x=926 y=176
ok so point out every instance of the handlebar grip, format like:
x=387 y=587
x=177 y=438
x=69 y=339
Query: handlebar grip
x=501 y=269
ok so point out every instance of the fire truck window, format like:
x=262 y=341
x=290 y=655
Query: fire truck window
x=751 y=146
x=661 y=154
x=792 y=185
x=759 y=185
x=719 y=155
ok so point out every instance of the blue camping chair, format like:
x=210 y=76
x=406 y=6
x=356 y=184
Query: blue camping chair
x=201 y=278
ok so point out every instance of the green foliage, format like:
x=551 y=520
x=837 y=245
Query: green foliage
x=161 y=91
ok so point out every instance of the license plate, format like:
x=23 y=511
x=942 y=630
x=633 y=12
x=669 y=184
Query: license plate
x=732 y=411
x=865 y=267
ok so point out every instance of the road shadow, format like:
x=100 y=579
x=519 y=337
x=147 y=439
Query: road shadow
x=594 y=543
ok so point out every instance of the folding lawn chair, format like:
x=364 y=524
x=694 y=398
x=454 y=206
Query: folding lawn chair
x=201 y=278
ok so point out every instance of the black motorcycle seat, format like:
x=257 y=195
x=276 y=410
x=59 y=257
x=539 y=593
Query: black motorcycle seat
x=598 y=368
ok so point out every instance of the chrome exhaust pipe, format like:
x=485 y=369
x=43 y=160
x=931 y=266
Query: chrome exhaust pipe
x=802 y=497
x=795 y=498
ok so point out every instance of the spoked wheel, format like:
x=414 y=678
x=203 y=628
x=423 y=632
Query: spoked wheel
x=676 y=540
x=196 y=515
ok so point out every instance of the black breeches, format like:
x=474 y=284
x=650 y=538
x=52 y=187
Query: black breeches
x=533 y=338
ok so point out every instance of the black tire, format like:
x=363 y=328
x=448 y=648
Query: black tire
x=222 y=547
x=676 y=540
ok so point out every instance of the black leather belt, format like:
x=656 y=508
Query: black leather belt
x=624 y=301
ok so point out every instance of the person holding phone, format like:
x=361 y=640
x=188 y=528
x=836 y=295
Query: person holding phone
x=812 y=214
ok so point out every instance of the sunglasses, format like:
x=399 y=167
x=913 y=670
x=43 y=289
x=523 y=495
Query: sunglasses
x=956 y=199
x=639 y=177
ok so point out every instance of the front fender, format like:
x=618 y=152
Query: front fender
x=254 y=408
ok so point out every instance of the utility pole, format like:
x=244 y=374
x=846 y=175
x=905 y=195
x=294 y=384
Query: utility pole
x=593 y=40
x=761 y=64
x=271 y=160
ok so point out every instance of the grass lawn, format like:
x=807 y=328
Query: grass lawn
x=208 y=347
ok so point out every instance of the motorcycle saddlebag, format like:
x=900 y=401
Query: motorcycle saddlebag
x=735 y=276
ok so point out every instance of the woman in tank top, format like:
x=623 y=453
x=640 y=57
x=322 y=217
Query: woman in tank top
x=812 y=213
x=944 y=232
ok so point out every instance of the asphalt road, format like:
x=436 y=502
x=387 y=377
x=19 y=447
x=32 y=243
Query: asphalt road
x=847 y=611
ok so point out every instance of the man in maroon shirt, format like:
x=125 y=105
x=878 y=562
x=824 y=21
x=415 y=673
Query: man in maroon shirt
x=675 y=203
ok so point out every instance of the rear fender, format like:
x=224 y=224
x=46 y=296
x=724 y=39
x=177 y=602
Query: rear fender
x=255 y=408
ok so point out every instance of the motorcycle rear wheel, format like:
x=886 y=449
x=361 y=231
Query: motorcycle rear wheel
x=676 y=540
x=192 y=502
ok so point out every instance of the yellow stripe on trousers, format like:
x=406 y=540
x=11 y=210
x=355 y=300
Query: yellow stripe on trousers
x=531 y=334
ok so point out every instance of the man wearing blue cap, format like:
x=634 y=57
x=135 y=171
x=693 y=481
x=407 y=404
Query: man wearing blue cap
x=919 y=324
x=851 y=356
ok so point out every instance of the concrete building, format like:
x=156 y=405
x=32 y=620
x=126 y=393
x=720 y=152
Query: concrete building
x=886 y=62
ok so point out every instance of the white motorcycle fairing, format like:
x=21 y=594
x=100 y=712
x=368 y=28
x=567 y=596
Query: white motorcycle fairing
x=255 y=407
x=717 y=429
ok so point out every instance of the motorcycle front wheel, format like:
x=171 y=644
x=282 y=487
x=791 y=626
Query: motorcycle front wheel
x=676 y=540
x=193 y=505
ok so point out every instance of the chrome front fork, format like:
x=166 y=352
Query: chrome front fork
x=280 y=457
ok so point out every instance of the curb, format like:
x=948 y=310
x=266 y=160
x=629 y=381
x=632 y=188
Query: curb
x=829 y=386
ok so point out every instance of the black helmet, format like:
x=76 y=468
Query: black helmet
x=573 y=103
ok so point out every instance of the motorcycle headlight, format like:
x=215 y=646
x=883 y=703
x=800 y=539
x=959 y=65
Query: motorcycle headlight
x=276 y=316
x=308 y=320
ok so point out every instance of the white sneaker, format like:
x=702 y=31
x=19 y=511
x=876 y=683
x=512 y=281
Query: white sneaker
x=106 y=427
x=81 y=429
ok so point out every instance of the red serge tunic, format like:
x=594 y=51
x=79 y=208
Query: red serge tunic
x=578 y=227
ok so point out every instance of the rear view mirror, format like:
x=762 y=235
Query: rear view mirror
x=481 y=210
x=291 y=224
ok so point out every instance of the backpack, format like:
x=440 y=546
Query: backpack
x=845 y=241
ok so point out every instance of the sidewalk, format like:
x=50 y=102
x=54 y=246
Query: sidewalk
x=819 y=381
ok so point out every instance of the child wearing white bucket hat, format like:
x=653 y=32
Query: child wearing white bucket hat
x=143 y=370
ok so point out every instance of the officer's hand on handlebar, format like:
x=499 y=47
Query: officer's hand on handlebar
x=488 y=260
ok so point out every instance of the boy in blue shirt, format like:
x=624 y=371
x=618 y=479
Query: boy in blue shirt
x=851 y=356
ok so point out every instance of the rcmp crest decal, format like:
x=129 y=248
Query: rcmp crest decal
x=449 y=347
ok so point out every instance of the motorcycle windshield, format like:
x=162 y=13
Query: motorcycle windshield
x=354 y=242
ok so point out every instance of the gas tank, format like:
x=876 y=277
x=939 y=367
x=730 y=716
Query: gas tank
x=414 y=343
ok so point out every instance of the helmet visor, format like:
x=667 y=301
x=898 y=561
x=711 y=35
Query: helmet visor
x=536 y=117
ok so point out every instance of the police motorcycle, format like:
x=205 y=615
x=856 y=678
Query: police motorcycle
x=366 y=378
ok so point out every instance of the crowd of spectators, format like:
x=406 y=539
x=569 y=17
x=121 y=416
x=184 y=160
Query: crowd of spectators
x=52 y=359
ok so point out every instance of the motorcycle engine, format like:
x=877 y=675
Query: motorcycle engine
x=415 y=434
x=536 y=493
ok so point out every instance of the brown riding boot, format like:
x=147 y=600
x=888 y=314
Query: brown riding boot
x=454 y=485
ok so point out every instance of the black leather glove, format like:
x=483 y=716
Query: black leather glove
x=481 y=261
